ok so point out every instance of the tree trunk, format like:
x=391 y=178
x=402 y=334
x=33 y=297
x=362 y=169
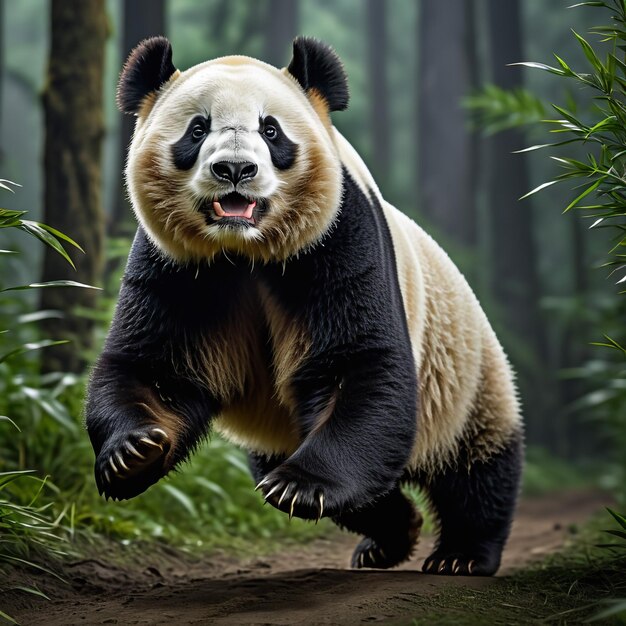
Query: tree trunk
x=377 y=66
x=281 y=27
x=74 y=130
x=514 y=280
x=141 y=19
x=446 y=150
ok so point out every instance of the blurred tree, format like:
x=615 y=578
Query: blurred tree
x=74 y=129
x=512 y=256
x=282 y=25
x=379 y=107
x=140 y=19
x=446 y=150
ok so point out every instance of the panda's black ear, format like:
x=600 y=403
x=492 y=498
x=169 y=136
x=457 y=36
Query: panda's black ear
x=148 y=66
x=316 y=66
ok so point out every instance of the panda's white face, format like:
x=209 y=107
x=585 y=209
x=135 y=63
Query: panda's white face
x=232 y=155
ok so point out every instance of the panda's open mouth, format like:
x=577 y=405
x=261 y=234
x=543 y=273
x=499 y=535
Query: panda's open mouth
x=234 y=206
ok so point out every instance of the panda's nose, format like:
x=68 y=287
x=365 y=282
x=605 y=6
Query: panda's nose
x=234 y=172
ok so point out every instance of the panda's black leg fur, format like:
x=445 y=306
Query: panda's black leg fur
x=261 y=465
x=391 y=526
x=475 y=508
x=141 y=431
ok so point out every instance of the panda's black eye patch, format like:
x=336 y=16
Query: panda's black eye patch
x=185 y=150
x=282 y=150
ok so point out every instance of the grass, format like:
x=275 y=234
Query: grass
x=582 y=583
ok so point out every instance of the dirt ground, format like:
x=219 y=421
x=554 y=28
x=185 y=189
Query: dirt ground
x=306 y=585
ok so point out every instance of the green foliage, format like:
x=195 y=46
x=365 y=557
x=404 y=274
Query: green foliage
x=600 y=195
x=546 y=473
x=494 y=109
x=601 y=175
x=26 y=530
x=575 y=586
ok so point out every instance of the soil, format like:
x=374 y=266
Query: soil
x=309 y=584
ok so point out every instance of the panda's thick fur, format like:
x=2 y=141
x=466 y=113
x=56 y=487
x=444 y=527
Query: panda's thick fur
x=272 y=294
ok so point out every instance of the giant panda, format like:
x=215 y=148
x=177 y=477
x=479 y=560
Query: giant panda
x=272 y=294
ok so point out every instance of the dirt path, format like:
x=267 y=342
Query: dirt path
x=308 y=585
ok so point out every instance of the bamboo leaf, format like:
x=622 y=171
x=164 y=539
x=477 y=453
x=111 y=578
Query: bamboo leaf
x=585 y=193
x=59 y=235
x=33 y=228
x=4 y=418
x=28 y=347
x=31 y=590
x=589 y=52
x=50 y=283
x=587 y=4
x=539 y=66
x=16 y=559
x=539 y=188
x=619 y=518
x=7 y=617
x=183 y=499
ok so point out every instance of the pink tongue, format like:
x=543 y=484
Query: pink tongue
x=233 y=207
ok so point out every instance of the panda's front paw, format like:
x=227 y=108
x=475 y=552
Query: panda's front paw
x=130 y=463
x=300 y=493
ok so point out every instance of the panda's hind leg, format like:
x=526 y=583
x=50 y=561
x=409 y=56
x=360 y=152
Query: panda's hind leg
x=390 y=526
x=475 y=508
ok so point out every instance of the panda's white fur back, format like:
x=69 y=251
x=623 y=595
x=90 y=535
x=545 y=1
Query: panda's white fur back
x=467 y=393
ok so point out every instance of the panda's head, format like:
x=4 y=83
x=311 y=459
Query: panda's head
x=233 y=154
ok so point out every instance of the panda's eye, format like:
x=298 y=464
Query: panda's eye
x=198 y=132
x=271 y=132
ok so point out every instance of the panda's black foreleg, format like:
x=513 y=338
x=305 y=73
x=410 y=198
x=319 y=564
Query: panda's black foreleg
x=140 y=426
x=475 y=509
x=391 y=527
x=358 y=429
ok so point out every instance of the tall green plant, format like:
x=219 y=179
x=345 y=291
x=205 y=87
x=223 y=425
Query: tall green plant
x=25 y=526
x=599 y=183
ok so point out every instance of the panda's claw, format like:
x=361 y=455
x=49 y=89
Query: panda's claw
x=131 y=448
x=149 y=442
x=455 y=567
x=120 y=461
x=470 y=566
x=293 y=501
x=132 y=461
x=298 y=494
x=276 y=487
x=284 y=493
x=261 y=483
x=441 y=567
